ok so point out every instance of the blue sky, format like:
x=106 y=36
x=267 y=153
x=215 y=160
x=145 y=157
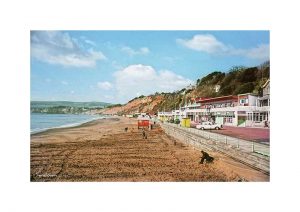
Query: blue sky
x=116 y=66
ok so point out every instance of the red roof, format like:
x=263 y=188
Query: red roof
x=214 y=99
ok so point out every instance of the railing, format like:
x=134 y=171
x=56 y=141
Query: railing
x=243 y=145
x=236 y=108
x=165 y=114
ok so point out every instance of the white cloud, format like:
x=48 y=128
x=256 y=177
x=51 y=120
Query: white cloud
x=144 y=50
x=139 y=79
x=260 y=52
x=64 y=83
x=209 y=44
x=132 y=52
x=56 y=47
x=105 y=85
x=206 y=43
x=90 y=42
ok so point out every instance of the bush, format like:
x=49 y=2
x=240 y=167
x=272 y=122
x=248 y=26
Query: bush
x=247 y=75
x=228 y=79
x=216 y=76
x=245 y=88
x=177 y=121
x=226 y=90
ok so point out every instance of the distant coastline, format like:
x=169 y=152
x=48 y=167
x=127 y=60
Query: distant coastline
x=66 y=107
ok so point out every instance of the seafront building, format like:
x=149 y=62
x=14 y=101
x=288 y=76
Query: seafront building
x=243 y=110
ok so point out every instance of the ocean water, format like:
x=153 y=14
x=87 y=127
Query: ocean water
x=41 y=122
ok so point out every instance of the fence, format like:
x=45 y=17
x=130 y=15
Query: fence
x=253 y=154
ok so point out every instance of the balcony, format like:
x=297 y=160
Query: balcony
x=228 y=109
x=164 y=113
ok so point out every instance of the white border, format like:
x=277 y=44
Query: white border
x=19 y=17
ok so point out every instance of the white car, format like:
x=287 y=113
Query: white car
x=208 y=126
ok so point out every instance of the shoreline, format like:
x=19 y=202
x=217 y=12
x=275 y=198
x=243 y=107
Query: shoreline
x=66 y=126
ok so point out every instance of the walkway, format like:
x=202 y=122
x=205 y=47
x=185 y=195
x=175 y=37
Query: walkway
x=261 y=135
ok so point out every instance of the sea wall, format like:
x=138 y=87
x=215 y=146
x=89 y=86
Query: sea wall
x=249 y=153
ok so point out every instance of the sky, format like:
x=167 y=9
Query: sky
x=116 y=66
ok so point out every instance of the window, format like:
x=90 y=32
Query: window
x=244 y=101
x=256 y=117
x=228 y=119
x=249 y=116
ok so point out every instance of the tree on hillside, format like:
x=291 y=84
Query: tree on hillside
x=218 y=78
x=236 y=69
x=244 y=88
x=264 y=65
x=266 y=72
x=228 y=79
x=216 y=75
x=226 y=90
x=247 y=75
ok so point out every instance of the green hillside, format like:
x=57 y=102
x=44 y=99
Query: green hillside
x=237 y=80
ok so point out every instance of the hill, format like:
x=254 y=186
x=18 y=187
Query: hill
x=237 y=80
x=59 y=107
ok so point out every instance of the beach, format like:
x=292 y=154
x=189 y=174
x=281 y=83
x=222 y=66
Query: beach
x=101 y=151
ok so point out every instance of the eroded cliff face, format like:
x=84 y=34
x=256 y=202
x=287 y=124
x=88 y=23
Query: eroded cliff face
x=146 y=104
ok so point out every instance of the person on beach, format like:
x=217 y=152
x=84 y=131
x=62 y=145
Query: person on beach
x=144 y=134
x=206 y=157
x=266 y=124
x=126 y=128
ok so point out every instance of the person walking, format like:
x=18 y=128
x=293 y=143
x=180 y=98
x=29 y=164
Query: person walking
x=144 y=134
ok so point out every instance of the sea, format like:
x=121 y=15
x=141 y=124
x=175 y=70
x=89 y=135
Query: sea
x=40 y=122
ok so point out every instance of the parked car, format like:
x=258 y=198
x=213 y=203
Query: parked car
x=209 y=126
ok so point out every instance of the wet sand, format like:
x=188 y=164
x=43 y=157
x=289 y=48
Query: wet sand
x=102 y=151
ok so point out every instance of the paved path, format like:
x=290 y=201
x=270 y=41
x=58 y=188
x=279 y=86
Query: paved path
x=261 y=135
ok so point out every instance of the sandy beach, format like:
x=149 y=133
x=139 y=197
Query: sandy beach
x=102 y=151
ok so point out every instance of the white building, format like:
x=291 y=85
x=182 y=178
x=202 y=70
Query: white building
x=243 y=110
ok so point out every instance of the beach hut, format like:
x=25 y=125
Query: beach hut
x=143 y=121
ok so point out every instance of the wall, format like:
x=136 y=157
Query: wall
x=252 y=100
x=240 y=150
x=220 y=120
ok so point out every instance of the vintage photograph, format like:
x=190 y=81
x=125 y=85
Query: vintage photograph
x=150 y=106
